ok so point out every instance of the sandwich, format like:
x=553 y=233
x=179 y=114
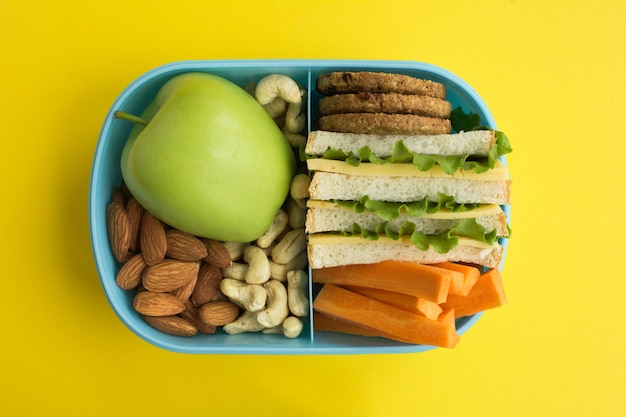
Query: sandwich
x=425 y=196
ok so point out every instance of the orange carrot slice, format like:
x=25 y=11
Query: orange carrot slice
x=423 y=281
x=385 y=320
x=406 y=302
x=448 y=317
x=324 y=323
x=487 y=293
x=470 y=275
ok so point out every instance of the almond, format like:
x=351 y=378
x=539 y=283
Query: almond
x=117 y=196
x=152 y=239
x=129 y=255
x=129 y=275
x=190 y=313
x=169 y=275
x=217 y=253
x=174 y=325
x=150 y=303
x=208 y=285
x=183 y=246
x=135 y=212
x=184 y=292
x=118 y=228
x=218 y=313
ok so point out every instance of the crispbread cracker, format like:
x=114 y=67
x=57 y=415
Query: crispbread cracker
x=385 y=124
x=366 y=102
x=377 y=82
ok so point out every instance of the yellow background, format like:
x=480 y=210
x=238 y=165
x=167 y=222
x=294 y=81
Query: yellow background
x=552 y=73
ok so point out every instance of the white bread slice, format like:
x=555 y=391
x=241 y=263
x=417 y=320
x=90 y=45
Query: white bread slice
x=324 y=216
x=475 y=142
x=326 y=250
x=336 y=186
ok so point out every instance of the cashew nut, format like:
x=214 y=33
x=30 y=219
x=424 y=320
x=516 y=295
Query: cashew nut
x=276 y=107
x=250 y=297
x=279 y=271
x=295 y=140
x=235 y=249
x=281 y=86
x=294 y=120
x=275 y=229
x=297 y=293
x=236 y=270
x=277 y=309
x=299 y=188
x=268 y=251
x=258 y=265
x=247 y=322
x=277 y=85
x=274 y=330
x=292 y=327
x=289 y=246
x=297 y=214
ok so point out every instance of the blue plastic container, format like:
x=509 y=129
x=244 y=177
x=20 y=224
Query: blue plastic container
x=106 y=175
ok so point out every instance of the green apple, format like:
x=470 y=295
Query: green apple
x=205 y=158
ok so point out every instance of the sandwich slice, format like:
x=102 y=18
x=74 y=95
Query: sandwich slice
x=417 y=198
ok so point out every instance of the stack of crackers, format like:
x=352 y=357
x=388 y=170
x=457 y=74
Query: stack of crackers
x=383 y=104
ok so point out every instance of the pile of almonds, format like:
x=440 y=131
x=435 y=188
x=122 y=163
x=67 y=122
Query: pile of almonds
x=186 y=284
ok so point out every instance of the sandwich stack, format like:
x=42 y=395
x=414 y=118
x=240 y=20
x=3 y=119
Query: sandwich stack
x=392 y=182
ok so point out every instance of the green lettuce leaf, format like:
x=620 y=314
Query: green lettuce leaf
x=471 y=121
x=389 y=210
x=464 y=121
x=441 y=243
x=401 y=154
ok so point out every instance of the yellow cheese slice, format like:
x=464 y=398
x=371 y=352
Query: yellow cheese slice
x=334 y=239
x=498 y=173
x=443 y=213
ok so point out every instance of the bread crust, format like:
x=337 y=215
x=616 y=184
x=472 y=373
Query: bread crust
x=385 y=124
x=377 y=82
x=334 y=186
x=367 y=102
x=368 y=252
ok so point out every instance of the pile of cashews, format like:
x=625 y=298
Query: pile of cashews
x=267 y=279
x=268 y=282
x=283 y=100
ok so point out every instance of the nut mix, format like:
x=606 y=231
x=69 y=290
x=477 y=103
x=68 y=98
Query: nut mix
x=187 y=285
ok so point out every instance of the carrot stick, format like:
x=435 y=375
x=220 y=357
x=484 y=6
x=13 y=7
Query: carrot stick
x=487 y=293
x=406 y=302
x=324 y=323
x=470 y=275
x=385 y=320
x=410 y=278
x=447 y=317
x=457 y=284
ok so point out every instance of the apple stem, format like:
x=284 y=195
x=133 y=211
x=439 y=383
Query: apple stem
x=131 y=118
